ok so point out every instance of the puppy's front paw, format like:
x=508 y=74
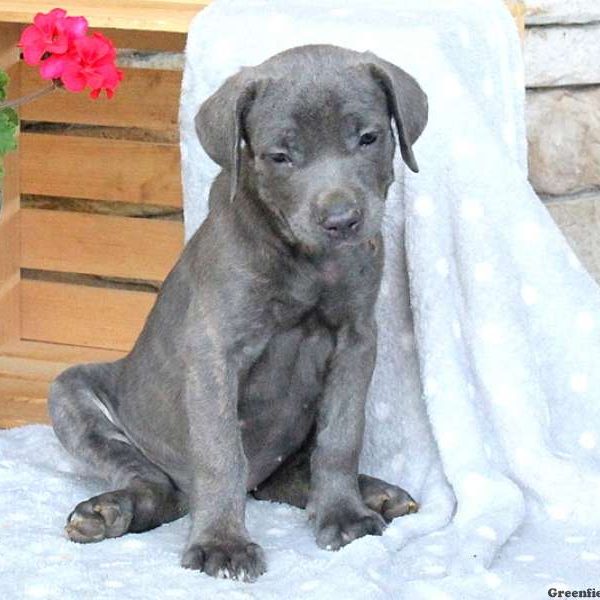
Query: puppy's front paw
x=343 y=525
x=233 y=559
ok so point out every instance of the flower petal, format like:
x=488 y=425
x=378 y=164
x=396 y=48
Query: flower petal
x=29 y=36
x=32 y=44
x=72 y=78
x=57 y=13
x=33 y=54
x=59 y=46
x=53 y=67
x=76 y=27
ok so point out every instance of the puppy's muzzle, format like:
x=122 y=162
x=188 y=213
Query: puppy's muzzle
x=339 y=216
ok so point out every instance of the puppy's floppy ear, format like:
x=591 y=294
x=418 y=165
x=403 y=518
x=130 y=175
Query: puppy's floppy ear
x=407 y=104
x=220 y=124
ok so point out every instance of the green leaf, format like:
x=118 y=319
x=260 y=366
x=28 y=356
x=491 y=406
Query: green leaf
x=3 y=85
x=10 y=114
x=9 y=122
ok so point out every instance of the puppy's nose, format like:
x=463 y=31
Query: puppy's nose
x=341 y=221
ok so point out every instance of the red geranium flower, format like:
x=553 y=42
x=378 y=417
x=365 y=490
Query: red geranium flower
x=70 y=57
x=90 y=63
x=51 y=33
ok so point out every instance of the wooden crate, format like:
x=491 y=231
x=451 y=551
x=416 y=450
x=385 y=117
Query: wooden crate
x=91 y=221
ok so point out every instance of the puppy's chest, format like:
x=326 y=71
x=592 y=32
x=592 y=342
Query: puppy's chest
x=325 y=291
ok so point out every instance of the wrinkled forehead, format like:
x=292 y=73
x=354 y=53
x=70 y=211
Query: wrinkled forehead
x=307 y=107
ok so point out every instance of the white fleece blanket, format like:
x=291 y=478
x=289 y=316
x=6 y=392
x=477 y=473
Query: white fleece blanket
x=485 y=402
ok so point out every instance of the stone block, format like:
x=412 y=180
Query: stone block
x=563 y=130
x=579 y=220
x=543 y=12
x=557 y=56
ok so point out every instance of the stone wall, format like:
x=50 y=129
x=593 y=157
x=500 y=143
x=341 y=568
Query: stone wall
x=562 y=64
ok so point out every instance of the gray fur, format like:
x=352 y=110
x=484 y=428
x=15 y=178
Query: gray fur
x=253 y=367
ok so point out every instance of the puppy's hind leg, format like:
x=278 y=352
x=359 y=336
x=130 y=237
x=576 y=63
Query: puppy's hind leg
x=144 y=497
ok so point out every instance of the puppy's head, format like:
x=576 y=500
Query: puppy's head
x=312 y=129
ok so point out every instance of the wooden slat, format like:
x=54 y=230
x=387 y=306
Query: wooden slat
x=100 y=169
x=10 y=305
x=83 y=316
x=9 y=210
x=146 y=40
x=23 y=402
x=146 y=98
x=14 y=387
x=99 y=245
x=27 y=369
x=58 y=353
x=148 y=15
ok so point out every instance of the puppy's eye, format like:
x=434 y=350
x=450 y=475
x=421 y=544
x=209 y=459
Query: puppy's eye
x=279 y=158
x=366 y=139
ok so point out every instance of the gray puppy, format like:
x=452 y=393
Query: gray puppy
x=253 y=367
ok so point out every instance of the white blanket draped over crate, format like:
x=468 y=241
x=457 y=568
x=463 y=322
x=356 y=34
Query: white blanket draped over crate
x=485 y=402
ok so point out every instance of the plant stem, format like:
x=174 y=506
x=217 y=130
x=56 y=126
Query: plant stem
x=29 y=97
